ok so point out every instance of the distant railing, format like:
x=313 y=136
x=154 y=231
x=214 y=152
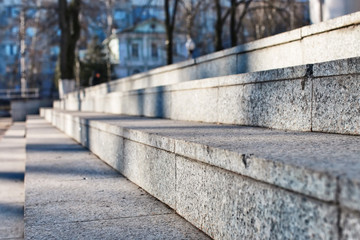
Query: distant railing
x=9 y=94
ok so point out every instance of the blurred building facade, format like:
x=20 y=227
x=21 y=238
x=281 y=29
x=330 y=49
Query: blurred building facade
x=141 y=47
x=41 y=48
x=9 y=44
x=322 y=10
x=141 y=33
x=139 y=27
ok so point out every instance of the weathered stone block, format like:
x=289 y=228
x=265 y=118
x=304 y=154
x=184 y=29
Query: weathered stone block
x=223 y=66
x=284 y=55
x=336 y=68
x=336 y=104
x=168 y=226
x=157 y=102
x=195 y=105
x=314 y=49
x=350 y=190
x=107 y=146
x=152 y=169
x=350 y=225
x=228 y=206
x=282 y=104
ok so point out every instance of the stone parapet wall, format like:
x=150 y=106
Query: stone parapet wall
x=322 y=97
x=326 y=41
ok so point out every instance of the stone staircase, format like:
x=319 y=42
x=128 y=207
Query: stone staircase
x=272 y=154
x=71 y=194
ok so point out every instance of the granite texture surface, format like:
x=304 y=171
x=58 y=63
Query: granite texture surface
x=228 y=206
x=195 y=105
x=350 y=191
x=273 y=156
x=338 y=67
x=12 y=167
x=314 y=51
x=321 y=97
x=167 y=226
x=152 y=169
x=282 y=105
x=313 y=166
x=71 y=194
x=11 y=220
x=336 y=104
x=350 y=225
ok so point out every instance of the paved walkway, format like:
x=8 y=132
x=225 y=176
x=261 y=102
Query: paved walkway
x=12 y=166
x=71 y=194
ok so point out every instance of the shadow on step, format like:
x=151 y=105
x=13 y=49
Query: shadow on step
x=71 y=147
x=14 y=176
x=72 y=169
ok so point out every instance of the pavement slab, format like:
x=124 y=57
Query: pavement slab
x=12 y=166
x=71 y=194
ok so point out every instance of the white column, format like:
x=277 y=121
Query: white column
x=322 y=10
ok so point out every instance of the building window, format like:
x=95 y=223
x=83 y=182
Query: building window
x=154 y=50
x=11 y=50
x=135 y=50
x=119 y=15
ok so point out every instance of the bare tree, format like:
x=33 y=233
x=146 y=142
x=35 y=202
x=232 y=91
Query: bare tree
x=192 y=9
x=235 y=23
x=221 y=17
x=170 y=16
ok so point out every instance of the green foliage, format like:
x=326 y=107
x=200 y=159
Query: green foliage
x=93 y=68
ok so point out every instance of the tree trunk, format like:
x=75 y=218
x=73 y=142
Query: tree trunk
x=169 y=48
x=233 y=33
x=218 y=27
x=70 y=33
x=169 y=25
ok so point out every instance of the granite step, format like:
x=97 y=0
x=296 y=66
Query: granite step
x=321 y=97
x=12 y=167
x=232 y=181
x=71 y=194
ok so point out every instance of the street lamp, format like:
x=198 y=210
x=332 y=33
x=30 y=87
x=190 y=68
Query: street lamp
x=190 y=46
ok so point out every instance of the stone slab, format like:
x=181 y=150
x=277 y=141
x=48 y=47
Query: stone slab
x=152 y=169
x=228 y=206
x=338 y=67
x=349 y=195
x=11 y=220
x=307 y=163
x=80 y=210
x=350 y=225
x=168 y=226
x=62 y=204
x=195 y=105
x=336 y=104
x=342 y=45
x=12 y=167
x=281 y=105
x=90 y=190
x=292 y=98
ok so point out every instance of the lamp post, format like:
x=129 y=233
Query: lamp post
x=190 y=46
